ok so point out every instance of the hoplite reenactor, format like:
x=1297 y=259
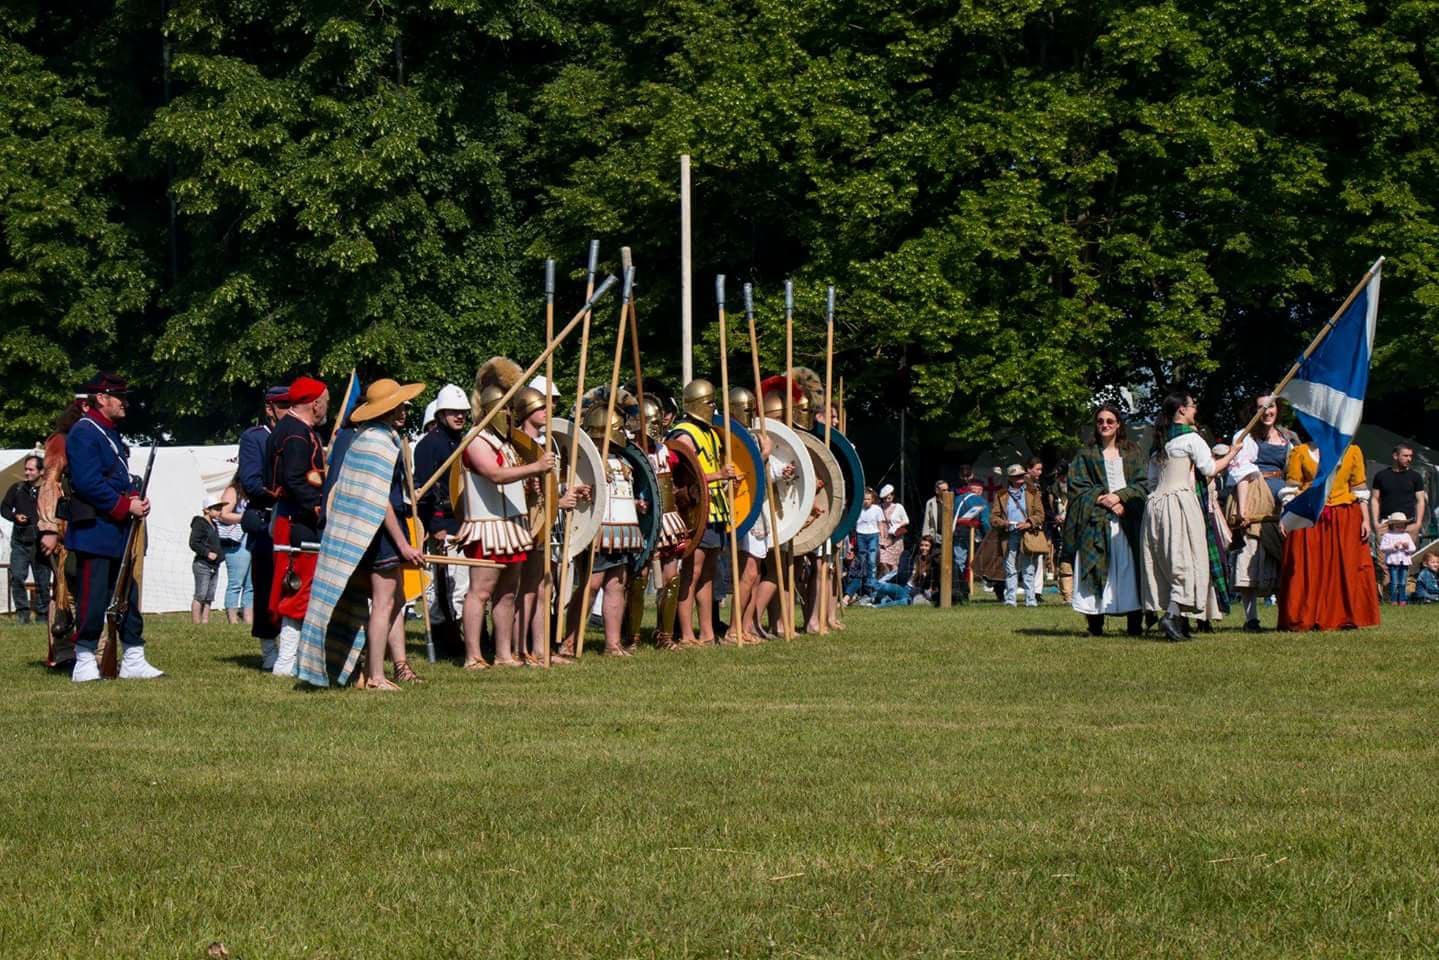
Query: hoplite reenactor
x=252 y=470
x=357 y=601
x=649 y=431
x=761 y=587
x=296 y=463
x=620 y=536
x=103 y=499
x=488 y=489
x=527 y=411
x=695 y=432
x=451 y=408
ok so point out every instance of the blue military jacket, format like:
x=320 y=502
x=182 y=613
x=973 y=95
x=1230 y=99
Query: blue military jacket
x=99 y=465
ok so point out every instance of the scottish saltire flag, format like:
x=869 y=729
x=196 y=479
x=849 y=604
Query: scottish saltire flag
x=1327 y=394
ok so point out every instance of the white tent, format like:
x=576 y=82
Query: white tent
x=182 y=479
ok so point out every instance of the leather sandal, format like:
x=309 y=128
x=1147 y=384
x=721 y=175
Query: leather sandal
x=382 y=685
x=404 y=673
x=512 y=662
x=477 y=664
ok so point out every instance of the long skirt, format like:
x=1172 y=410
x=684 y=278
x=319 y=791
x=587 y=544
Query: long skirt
x=1328 y=581
x=1175 y=570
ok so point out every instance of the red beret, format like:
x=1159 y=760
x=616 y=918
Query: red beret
x=305 y=389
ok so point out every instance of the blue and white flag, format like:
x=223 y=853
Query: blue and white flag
x=1327 y=394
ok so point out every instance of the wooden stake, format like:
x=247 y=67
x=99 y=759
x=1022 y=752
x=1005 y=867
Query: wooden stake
x=509 y=394
x=562 y=602
x=969 y=564
x=946 y=551
x=605 y=453
x=547 y=584
x=734 y=598
x=784 y=594
x=686 y=281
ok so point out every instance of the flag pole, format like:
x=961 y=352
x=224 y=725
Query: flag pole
x=1313 y=345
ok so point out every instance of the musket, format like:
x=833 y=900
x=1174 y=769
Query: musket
x=120 y=600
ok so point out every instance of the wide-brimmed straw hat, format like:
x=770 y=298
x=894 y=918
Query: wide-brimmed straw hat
x=384 y=395
x=1397 y=518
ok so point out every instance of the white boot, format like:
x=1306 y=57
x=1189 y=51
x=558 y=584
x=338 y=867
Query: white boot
x=134 y=666
x=268 y=652
x=86 y=667
x=286 y=664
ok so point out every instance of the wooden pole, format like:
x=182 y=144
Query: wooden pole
x=969 y=564
x=546 y=488
x=409 y=462
x=946 y=550
x=687 y=362
x=474 y=431
x=784 y=594
x=605 y=453
x=734 y=604
x=826 y=585
x=1313 y=345
x=789 y=414
x=562 y=602
x=340 y=416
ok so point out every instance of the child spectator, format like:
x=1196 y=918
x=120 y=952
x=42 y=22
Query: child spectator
x=1426 y=585
x=205 y=545
x=1397 y=548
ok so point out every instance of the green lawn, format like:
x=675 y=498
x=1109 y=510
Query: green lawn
x=976 y=782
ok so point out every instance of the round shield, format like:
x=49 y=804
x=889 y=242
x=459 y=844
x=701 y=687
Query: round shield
x=529 y=450
x=793 y=498
x=584 y=520
x=849 y=463
x=829 y=497
x=691 y=493
x=748 y=490
x=647 y=488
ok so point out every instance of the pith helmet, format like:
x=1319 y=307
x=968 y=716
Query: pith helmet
x=741 y=405
x=699 y=399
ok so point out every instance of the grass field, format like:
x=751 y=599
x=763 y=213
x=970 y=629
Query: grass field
x=977 y=782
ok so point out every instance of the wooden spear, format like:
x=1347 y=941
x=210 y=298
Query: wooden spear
x=562 y=601
x=734 y=606
x=474 y=431
x=784 y=593
x=789 y=406
x=825 y=587
x=605 y=454
x=547 y=586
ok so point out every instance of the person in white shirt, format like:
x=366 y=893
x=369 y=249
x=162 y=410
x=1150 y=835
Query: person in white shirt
x=866 y=535
x=1182 y=573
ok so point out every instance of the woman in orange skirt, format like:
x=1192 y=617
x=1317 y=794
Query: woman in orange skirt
x=1327 y=580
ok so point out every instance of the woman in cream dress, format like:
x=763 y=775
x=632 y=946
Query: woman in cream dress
x=1182 y=570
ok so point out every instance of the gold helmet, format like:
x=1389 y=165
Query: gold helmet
x=808 y=397
x=594 y=422
x=492 y=382
x=774 y=406
x=741 y=405
x=654 y=423
x=699 y=400
x=525 y=403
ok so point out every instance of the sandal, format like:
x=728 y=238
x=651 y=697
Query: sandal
x=512 y=662
x=382 y=685
x=476 y=664
x=405 y=674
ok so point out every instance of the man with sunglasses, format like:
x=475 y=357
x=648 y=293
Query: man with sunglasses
x=104 y=497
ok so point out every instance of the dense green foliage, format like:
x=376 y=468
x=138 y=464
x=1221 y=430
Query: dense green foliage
x=969 y=783
x=1020 y=202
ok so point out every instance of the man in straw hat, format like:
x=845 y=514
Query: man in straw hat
x=252 y=471
x=451 y=410
x=364 y=534
x=295 y=460
x=494 y=515
x=104 y=497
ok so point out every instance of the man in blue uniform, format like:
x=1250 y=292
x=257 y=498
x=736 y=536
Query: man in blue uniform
x=104 y=499
x=255 y=522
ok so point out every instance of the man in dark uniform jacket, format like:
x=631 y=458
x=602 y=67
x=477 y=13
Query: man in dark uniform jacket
x=104 y=498
x=296 y=460
x=253 y=472
x=22 y=508
x=438 y=514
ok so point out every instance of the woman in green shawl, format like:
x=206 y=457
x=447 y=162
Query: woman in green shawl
x=1107 y=488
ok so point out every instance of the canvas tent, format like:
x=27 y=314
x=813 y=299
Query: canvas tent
x=182 y=479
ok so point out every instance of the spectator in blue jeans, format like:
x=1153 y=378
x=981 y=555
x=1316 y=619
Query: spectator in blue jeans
x=912 y=579
x=866 y=535
x=239 y=588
